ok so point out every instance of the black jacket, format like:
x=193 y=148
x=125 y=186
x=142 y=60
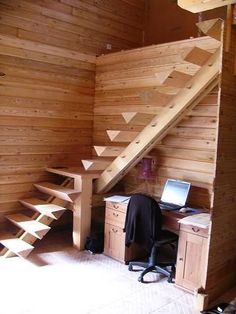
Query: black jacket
x=143 y=221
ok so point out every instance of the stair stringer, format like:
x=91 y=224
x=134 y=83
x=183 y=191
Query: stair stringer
x=205 y=80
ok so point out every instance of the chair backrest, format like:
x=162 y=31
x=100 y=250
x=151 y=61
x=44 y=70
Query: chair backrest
x=143 y=221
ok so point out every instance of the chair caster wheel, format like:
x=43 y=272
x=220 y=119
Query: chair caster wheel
x=140 y=279
x=130 y=268
x=169 y=280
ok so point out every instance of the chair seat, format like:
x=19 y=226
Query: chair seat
x=166 y=237
x=143 y=226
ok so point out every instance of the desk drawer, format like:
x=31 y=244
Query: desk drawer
x=117 y=206
x=115 y=217
x=194 y=230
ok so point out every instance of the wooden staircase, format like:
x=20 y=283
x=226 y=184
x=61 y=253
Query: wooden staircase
x=113 y=162
x=187 y=91
x=75 y=189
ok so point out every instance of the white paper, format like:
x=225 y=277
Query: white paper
x=117 y=199
x=199 y=220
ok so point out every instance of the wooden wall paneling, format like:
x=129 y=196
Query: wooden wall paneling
x=73 y=24
x=127 y=81
x=47 y=84
x=47 y=80
x=122 y=9
x=222 y=254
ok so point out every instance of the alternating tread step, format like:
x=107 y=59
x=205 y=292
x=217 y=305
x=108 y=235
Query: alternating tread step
x=72 y=172
x=17 y=246
x=177 y=79
x=197 y=56
x=108 y=151
x=122 y=136
x=137 y=118
x=31 y=226
x=212 y=28
x=95 y=164
x=205 y=80
x=48 y=209
x=63 y=193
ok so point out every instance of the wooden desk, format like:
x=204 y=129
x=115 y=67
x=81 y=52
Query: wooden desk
x=170 y=220
x=115 y=237
x=191 y=258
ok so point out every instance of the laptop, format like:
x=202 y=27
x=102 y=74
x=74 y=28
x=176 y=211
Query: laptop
x=174 y=195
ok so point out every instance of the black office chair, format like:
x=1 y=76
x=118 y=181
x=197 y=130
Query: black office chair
x=143 y=225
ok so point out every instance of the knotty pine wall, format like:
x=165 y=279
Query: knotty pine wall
x=132 y=81
x=47 y=80
x=222 y=252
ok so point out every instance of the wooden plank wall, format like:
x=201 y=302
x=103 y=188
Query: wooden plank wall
x=47 y=79
x=181 y=24
x=222 y=254
x=131 y=81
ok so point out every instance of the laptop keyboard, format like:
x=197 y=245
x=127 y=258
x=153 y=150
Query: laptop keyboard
x=169 y=206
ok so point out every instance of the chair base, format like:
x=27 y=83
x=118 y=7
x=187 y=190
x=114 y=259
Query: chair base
x=153 y=268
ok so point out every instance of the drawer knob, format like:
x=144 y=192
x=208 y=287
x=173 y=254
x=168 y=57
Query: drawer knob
x=195 y=229
x=115 y=214
x=115 y=206
x=114 y=230
x=181 y=259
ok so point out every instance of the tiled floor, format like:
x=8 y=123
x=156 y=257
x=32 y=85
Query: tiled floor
x=58 y=279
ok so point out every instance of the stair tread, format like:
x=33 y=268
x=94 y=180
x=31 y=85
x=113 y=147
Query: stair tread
x=28 y=224
x=197 y=56
x=95 y=164
x=17 y=246
x=72 y=172
x=137 y=118
x=47 y=209
x=177 y=79
x=109 y=151
x=122 y=136
x=61 y=192
x=56 y=187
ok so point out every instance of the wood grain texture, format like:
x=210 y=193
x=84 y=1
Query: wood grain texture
x=222 y=254
x=128 y=82
x=47 y=64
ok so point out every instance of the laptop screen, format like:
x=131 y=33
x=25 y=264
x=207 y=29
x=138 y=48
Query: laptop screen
x=175 y=192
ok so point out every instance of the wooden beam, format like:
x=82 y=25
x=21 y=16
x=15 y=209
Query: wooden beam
x=196 y=6
x=82 y=211
x=229 y=23
x=198 y=87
